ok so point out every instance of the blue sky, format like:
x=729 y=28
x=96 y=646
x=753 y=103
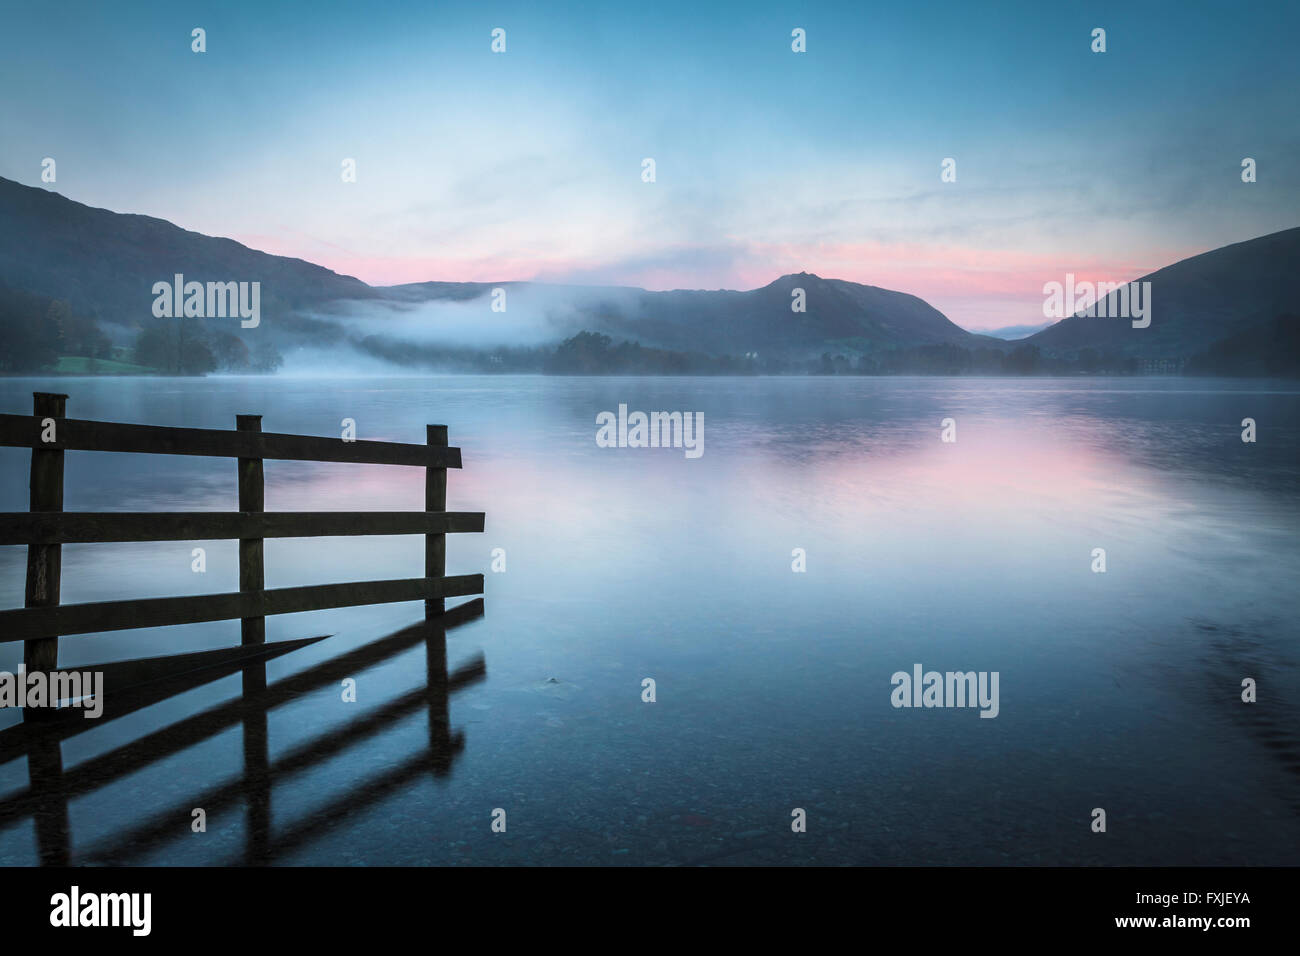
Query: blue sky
x=527 y=164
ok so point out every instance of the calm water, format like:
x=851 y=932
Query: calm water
x=1117 y=690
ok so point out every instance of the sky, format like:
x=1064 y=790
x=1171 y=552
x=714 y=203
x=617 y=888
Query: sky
x=528 y=163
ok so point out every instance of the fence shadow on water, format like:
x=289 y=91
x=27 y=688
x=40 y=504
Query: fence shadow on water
x=51 y=788
x=132 y=686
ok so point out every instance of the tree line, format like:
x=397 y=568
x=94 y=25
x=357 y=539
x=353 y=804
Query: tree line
x=39 y=330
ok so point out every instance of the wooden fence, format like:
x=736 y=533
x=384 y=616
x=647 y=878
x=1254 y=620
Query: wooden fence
x=46 y=527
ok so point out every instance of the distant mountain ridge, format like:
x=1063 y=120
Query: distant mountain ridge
x=1010 y=333
x=837 y=315
x=104 y=264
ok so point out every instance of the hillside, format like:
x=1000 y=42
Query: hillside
x=104 y=264
x=1195 y=302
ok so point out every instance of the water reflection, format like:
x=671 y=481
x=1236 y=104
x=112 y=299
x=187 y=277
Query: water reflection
x=130 y=686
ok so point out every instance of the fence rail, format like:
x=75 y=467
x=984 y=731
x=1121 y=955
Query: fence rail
x=35 y=622
x=46 y=527
x=81 y=527
x=26 y=431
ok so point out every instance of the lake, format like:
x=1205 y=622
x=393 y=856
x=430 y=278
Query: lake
x=1119 y=690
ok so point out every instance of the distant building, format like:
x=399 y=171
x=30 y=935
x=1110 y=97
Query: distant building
x=1161 y=366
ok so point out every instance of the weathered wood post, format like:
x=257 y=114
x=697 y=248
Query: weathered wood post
x=252 y=630
x=252 y=566
x=45 y=561
x=44 y=568
x=435 y=499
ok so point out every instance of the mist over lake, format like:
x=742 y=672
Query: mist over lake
x=1119 y=690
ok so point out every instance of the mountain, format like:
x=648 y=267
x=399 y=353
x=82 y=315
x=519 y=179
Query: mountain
x=77 y=281
x=1195 y=303
x=837 y=316
x=104 y=264
x=1267 y=348
x=1011 y=333
x=840 y=316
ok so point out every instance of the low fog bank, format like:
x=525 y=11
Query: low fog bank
x=449 y=327
x=508 y=314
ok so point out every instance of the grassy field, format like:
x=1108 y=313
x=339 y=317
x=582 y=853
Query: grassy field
x=78 y=365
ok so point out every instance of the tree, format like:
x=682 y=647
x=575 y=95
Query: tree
x=266 y=357
x=31 y=342
x=1023 y=360
x=175 y=346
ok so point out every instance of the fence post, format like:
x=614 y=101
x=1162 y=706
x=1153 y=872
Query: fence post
x=435 y=499
x=252 y=498
x=45 y=561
